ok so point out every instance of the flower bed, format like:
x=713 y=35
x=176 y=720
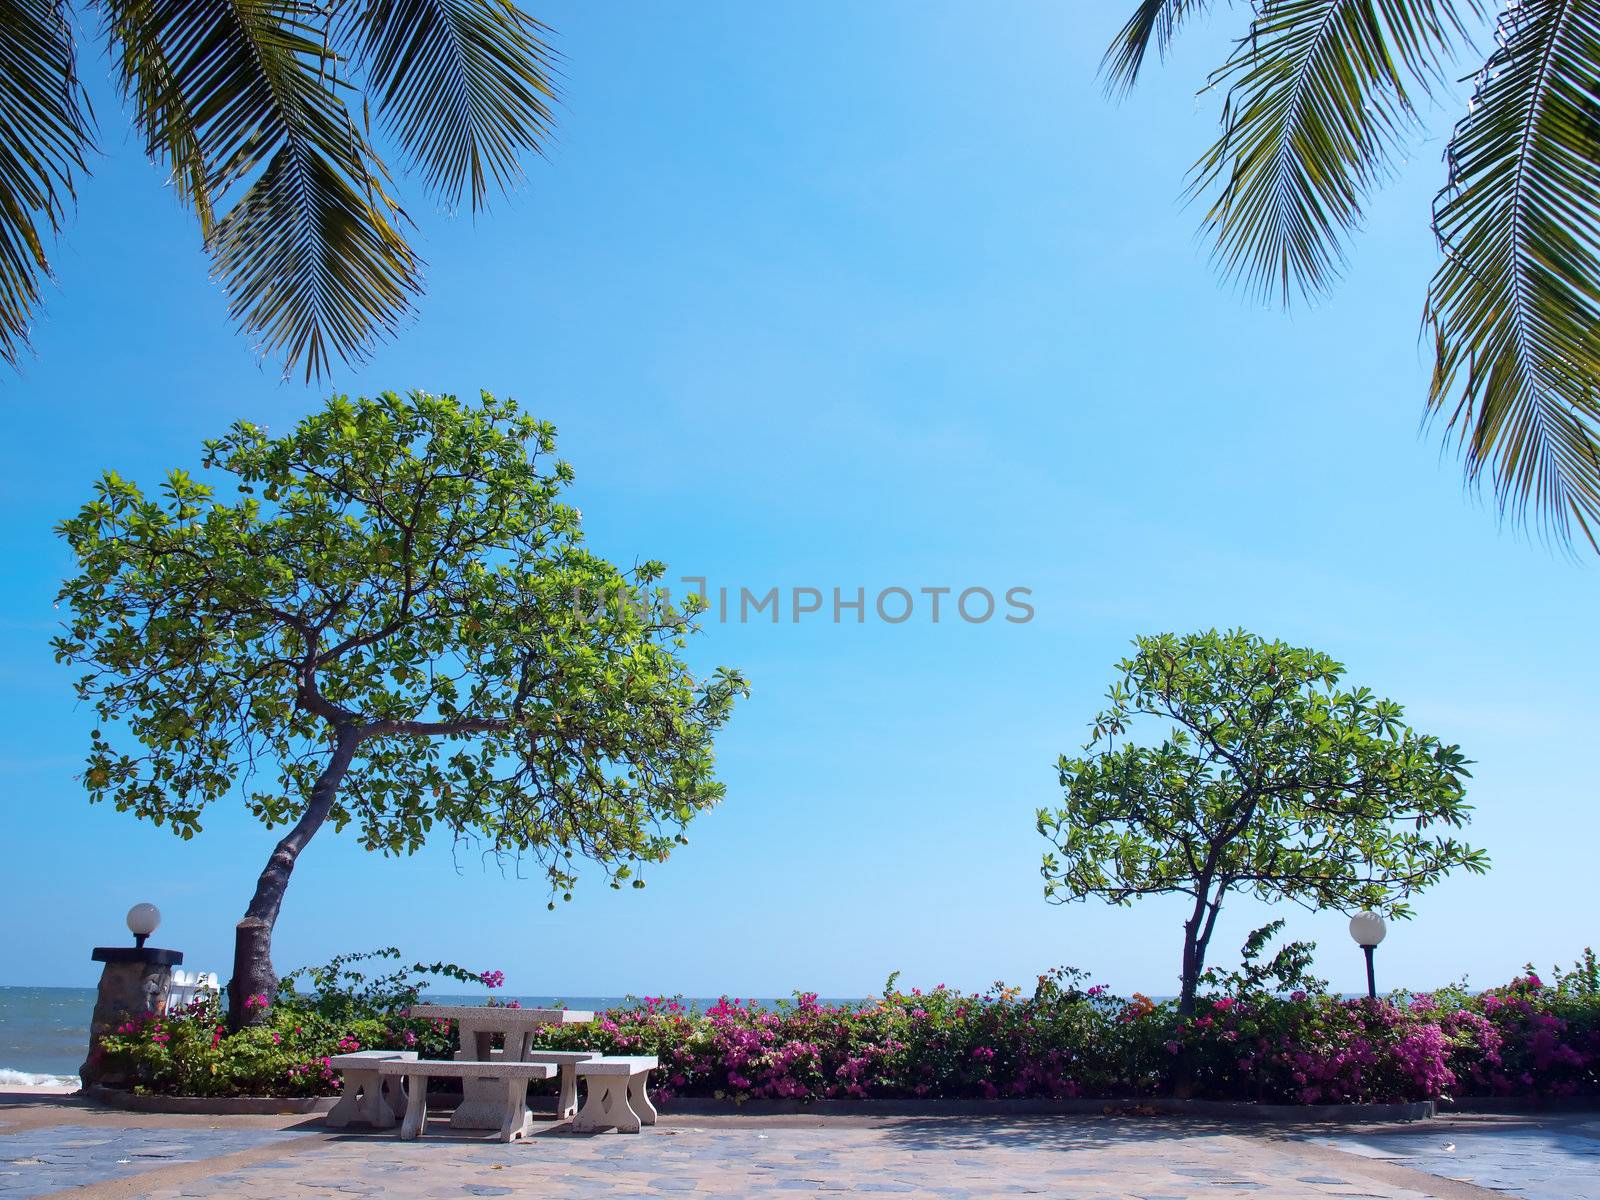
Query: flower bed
x=1064 y=1041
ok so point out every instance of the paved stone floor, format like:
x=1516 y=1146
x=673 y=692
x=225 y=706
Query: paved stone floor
x=47 y=1158
x=66 y=1147
x=1560 y=1163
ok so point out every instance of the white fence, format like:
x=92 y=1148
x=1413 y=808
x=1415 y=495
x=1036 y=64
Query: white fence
x=189 y=986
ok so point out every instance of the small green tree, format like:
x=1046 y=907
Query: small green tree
x=1288 y=970
x=1267 y=779
x=394 y=621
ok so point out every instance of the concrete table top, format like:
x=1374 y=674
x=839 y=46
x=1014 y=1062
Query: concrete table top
x=499 y=1018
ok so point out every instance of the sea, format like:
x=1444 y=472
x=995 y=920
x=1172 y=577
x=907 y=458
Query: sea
x=44 y=1031
x=44 y=1034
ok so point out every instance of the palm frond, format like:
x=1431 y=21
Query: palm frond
x=465 y=86
x=45 y=121
x=161 y=109
x=1316 y=105
x=245 y=100
x=1154 y=21
x=1515 y=305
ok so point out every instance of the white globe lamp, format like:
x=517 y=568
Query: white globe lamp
x=142 y=922
x=1368 y=930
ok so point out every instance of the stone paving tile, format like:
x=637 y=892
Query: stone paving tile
x=46 y=1159
x=1530 y=1163
x=1079 y=1161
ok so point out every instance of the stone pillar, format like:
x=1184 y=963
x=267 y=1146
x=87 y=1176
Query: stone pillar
x=134 y=982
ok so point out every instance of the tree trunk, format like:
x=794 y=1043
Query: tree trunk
x=1196 y=937
x=1192 y=963
x=252 y=945
x=1194 y=959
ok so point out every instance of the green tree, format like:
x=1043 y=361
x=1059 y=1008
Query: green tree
x=1321 y=101
x=263 y=113
x=394 y=621
x=1267 y=779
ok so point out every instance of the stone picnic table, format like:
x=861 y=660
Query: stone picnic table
x=483 y=1105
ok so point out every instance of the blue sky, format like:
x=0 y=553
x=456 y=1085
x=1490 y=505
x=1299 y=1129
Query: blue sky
x=871 y=295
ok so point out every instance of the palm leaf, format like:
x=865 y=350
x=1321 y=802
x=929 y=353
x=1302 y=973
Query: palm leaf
x=161 y=109
x=1154 y=21
x=45 y=121
x=465 y=86
x=1515 y=304
x=245 y=101
x=1316 y=105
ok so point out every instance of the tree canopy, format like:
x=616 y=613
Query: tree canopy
x=1263 y=776
x=390 y=624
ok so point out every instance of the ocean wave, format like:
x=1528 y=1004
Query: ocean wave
x=10 y=1078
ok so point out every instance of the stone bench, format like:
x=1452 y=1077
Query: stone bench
x=515 y=1076
x=615 y=1094
x=567 y=1061
x=477 y=1113
x=366 y=1095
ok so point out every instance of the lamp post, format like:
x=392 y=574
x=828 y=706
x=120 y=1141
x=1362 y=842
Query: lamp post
x=1368 y=930
x=133 y=982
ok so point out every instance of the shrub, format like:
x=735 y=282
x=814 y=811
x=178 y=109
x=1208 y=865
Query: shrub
x=191 y=1053
x=1066 y=1039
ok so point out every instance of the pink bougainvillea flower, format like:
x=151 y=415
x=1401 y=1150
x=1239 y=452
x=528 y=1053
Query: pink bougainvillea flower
x=1516 y=1040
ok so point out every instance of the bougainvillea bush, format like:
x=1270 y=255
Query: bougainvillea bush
x=191 y=1053
x=1065 y=1039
